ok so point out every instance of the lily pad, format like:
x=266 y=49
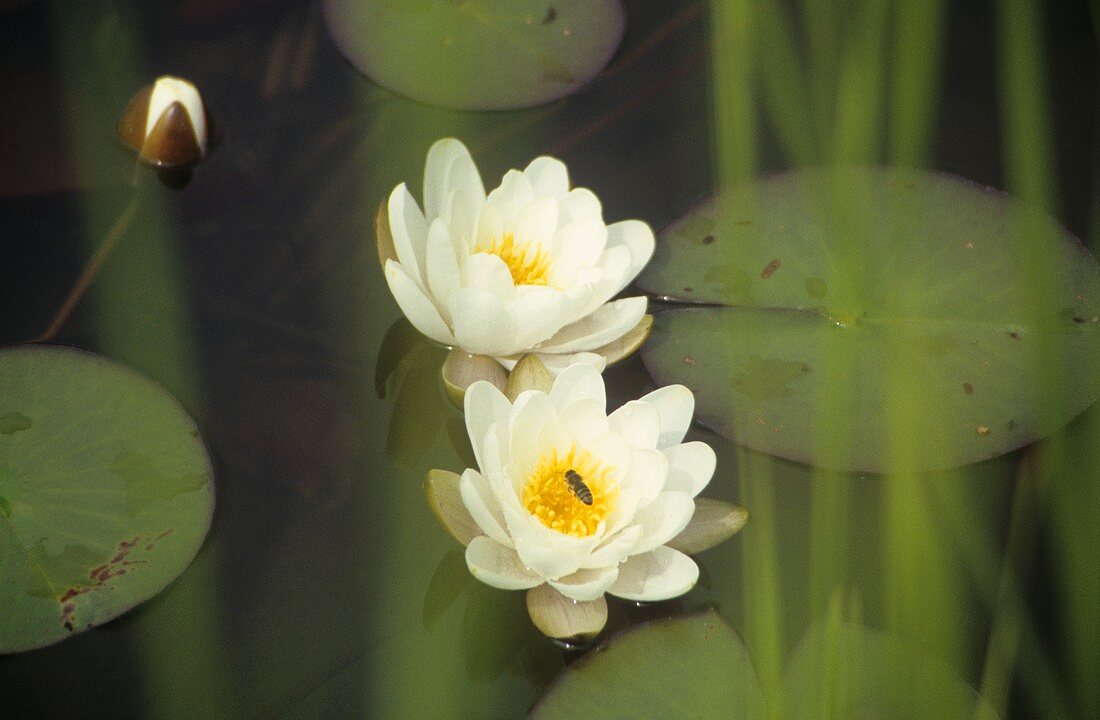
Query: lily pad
x=106 y=492
x=477 y=54
x=689 y=667
x=871 y=319
x=855 y=672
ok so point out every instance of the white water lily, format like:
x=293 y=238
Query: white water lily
x=529 y=267
x=532 y=523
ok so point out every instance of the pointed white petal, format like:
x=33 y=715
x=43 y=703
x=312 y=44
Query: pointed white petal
x=663 y=519
x=690 y=467
x=478 y=499
x=660 y=574
x=548 y=177
x=584 y=419
x=409 y=231
x=536 y=223
x=638 y=422
x=675 y=404
x=638 y=237
x=486 y=410
x=616 y=549
x=607 y=323
x=556 y=364
x=449 y=166
x=581 y=204
x=442 y=267
x=577 y=243
x=587 y=584
x=648 y=473
x=513 y=194
x=481 y=323
x=579 y=382
x=417 y=306
x=499 y=566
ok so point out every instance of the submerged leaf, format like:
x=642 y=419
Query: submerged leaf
x=876 y=319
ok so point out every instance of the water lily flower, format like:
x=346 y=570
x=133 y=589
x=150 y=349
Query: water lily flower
x=529 y=267
x=571 y=503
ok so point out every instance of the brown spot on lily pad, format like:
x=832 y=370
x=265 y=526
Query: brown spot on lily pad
x=968 y=388
x=770 y=269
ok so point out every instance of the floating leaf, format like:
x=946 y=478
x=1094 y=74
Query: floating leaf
x=105 y=492
x=690 y=667
x=477 y=54
x=854 y=672
x=865 y=318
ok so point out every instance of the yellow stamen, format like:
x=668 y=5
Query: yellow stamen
x=528 y=265
x=548 y=496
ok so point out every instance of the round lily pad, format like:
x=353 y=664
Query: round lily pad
x=477 y=54
x=874 y=319
x=106 y=492
x=688 y=667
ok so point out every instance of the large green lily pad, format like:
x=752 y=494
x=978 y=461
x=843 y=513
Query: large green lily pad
x=477 y=54
x=876 y=319
x=684 y=668
x=106 y=492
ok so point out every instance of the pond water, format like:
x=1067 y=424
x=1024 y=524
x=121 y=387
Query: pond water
x=326 y=588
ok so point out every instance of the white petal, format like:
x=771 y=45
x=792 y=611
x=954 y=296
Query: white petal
x=549 y=177
x=556 y=364
x=461 y=212
x=609 y=322
x=581 y=204
x=442 y=267
x=660 y=574
x=662 y=520
x=410 y=232
x=578 y=382
x=613 y=452
x=482 y=506
x=584 y=419
x=539 y=313
x=586 y=584
x=449 y=166
x=537 y=223
x=530 y=415
x=690 y=467
x=648 y=473
x=486 y=410
x=616 y=549
x=513 y=194
x=638 y=237
x=417 y=306
x=675 y=404
x=481 y=324
x=577 y=243
x=488 y=272
x=546 y=552
x=638 y=422
x=499 y=566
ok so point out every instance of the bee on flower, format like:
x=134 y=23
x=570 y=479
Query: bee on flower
x=570 y=503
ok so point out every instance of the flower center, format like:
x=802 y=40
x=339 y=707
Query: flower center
x=528 y=265
x=571 y=492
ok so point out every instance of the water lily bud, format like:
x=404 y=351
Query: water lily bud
x=166 y=123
